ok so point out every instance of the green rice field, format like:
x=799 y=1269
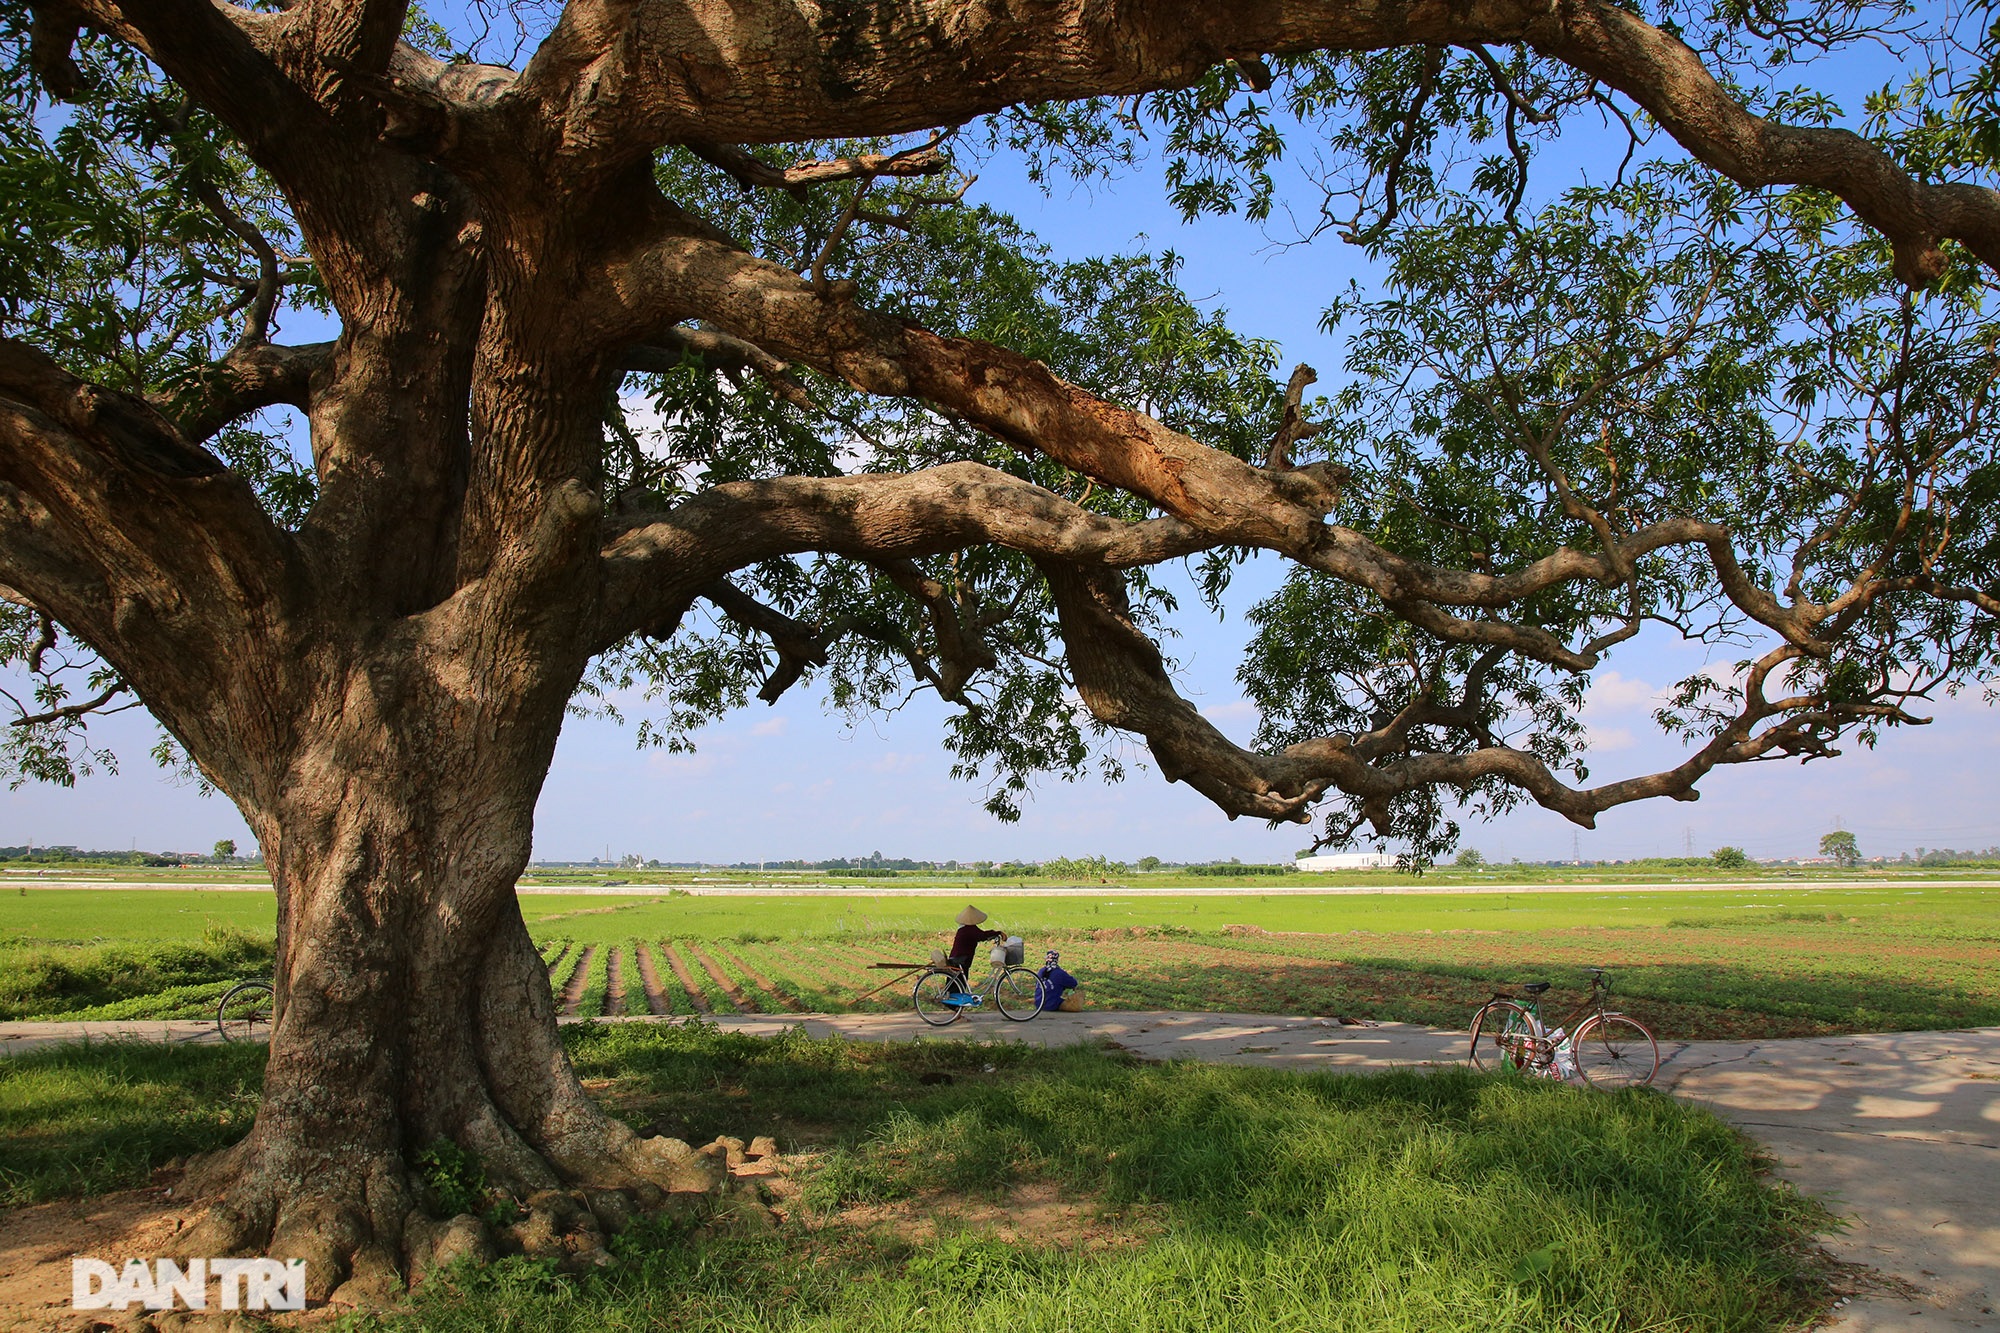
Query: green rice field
x=1755 y=960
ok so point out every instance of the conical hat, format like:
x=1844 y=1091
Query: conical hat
x=971 y=916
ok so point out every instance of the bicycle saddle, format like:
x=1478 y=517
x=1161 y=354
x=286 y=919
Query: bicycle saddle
x=1535 y=987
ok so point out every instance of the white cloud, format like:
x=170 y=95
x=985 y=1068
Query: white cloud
x=1612 y=691
x=1606 y=739
x=895 y=762
x=771 y=726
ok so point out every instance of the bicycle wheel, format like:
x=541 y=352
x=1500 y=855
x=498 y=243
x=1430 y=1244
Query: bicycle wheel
x=1503 y=1037
x=245 y=1012
x=930 y=995
x=1017 y=994
x=1613 y=1051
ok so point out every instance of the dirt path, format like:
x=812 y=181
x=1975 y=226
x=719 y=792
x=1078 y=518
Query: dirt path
x=738 y=1001
x=572 y=991
x=614 y=983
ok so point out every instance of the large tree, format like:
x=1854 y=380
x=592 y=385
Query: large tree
x=1735 y=380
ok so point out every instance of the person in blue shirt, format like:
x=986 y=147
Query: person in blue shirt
x=1054 y=983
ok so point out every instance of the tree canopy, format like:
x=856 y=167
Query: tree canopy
x=1738 y=388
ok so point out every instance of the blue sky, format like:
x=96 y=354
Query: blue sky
x=792 y=781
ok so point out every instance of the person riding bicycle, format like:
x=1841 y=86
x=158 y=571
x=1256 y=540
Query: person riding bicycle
x=965 y=944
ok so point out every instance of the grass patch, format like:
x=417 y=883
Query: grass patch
x=1248 y=1199
x=1273 y=1201
x=114 y=980
x=89 y=1118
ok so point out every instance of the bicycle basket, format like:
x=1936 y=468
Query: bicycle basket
x=1007 y=952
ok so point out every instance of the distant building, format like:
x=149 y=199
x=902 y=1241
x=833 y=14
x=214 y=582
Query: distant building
x=1348 y=861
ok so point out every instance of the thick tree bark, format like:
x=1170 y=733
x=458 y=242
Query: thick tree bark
x=412 y=1008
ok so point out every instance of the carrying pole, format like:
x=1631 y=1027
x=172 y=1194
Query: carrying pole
x=903 y=976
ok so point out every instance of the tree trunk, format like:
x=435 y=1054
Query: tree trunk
x=413 y=1007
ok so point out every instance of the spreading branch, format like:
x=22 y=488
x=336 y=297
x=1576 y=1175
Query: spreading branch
x=1021 y=401
x=130 y=536
x=669 y=348
x=262 y=294
x=798 y=644
x=657 y=560
x=923 y=160
x=646 y=92
x=77 y=711
x=1122 y=679
x=958 y=633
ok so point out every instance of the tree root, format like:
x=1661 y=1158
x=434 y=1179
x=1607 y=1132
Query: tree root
x=368 y=1232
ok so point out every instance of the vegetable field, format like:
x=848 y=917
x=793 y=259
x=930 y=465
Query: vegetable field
x=1755 y=961
x=1695 y=965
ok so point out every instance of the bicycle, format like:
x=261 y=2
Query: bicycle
x=1607 y=1049
x=245 y=1011
x=941 y=994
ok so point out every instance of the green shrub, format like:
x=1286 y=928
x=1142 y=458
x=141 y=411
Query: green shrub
x=456 y=1179
x=55 y=980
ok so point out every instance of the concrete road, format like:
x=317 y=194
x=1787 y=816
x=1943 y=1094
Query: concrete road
x=1898 y=1133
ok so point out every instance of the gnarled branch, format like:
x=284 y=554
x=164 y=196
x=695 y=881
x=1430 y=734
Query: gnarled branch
x=1123 y=681
x=1293 y=426
x=130 y=536
x=242 y=381
x=656 y=560
x=786 y=71
x=923 y=160
x=77 y=711
x=720 y=351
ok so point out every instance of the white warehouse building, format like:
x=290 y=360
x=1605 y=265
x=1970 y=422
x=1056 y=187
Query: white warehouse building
x=1348 y=861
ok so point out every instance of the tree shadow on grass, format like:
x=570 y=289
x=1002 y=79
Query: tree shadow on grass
x=87 y=1118
x=1454 y=1199
x=1438 y=1202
